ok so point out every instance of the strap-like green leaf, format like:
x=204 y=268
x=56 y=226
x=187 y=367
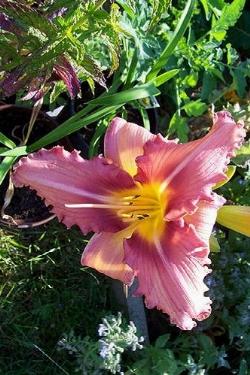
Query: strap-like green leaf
x=178 y=33
x=18 y=151
x=111 y=102
x=135 y=93
x=6 y=141
x=5 y=166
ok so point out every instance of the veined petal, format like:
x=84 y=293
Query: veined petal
x=105 y=253
x=170 y=272
x=123 y=142
x=203 y=219
x=189 y=171
x=64 y=178
x=236 y=218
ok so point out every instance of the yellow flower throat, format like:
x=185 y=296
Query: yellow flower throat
x=143 y=207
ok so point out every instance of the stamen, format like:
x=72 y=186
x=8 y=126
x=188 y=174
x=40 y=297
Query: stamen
x=125 y=206
x=95 y=205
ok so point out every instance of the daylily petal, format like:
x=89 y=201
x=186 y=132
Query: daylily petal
x=189 y=171
x=123 y=142
x=203 y=219
x=170 y=272
x=66 y=178
x=236 y=218
x=105 y=253
x=229 y=174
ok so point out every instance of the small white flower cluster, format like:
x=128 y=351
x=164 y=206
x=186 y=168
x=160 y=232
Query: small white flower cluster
x=115 y=339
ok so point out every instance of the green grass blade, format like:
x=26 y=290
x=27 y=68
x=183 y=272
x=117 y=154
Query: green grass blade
x=178 y=33
x=6 y=141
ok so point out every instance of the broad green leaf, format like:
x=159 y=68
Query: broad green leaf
x=195 y=108
x=6 y=141
x=240 y=82
x=208 y=85
x=178 y=125
x=229 y=16
x=178 y=33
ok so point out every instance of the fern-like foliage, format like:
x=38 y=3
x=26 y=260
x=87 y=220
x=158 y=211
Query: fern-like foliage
x=56 y=39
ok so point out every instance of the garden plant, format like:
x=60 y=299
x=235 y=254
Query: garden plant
x=124 y=187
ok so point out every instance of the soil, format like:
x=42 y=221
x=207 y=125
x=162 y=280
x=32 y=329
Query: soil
x=25 y=206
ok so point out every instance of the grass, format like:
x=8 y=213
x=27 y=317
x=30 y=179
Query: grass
x=44 y=292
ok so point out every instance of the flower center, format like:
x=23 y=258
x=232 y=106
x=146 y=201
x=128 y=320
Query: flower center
x=141 y=208
x=145 y=206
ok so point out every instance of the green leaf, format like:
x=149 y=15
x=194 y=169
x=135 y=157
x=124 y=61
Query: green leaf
x=95 y=141
x=195 y=108
x=239 y=81
x=128 y=9
x=178 y=33
x=3 y=149
x=112 y=102
x=18 y=151
x=179 y=126
x=162 y=78
x=229 y=16
x=6 y=141
x=208 y=85
x=135 y=93
x=162 y=340
x=70 y=127
x=5 y=166
x=243 y=367
x=242 y=158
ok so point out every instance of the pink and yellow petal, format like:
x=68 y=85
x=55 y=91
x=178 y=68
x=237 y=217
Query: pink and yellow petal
x=189 y=171
x=105 y=253
x=123 y=142
x=236 y=218
x=170 y=272
x=65 y=178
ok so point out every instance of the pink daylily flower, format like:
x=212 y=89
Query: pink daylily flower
x=150 y=202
